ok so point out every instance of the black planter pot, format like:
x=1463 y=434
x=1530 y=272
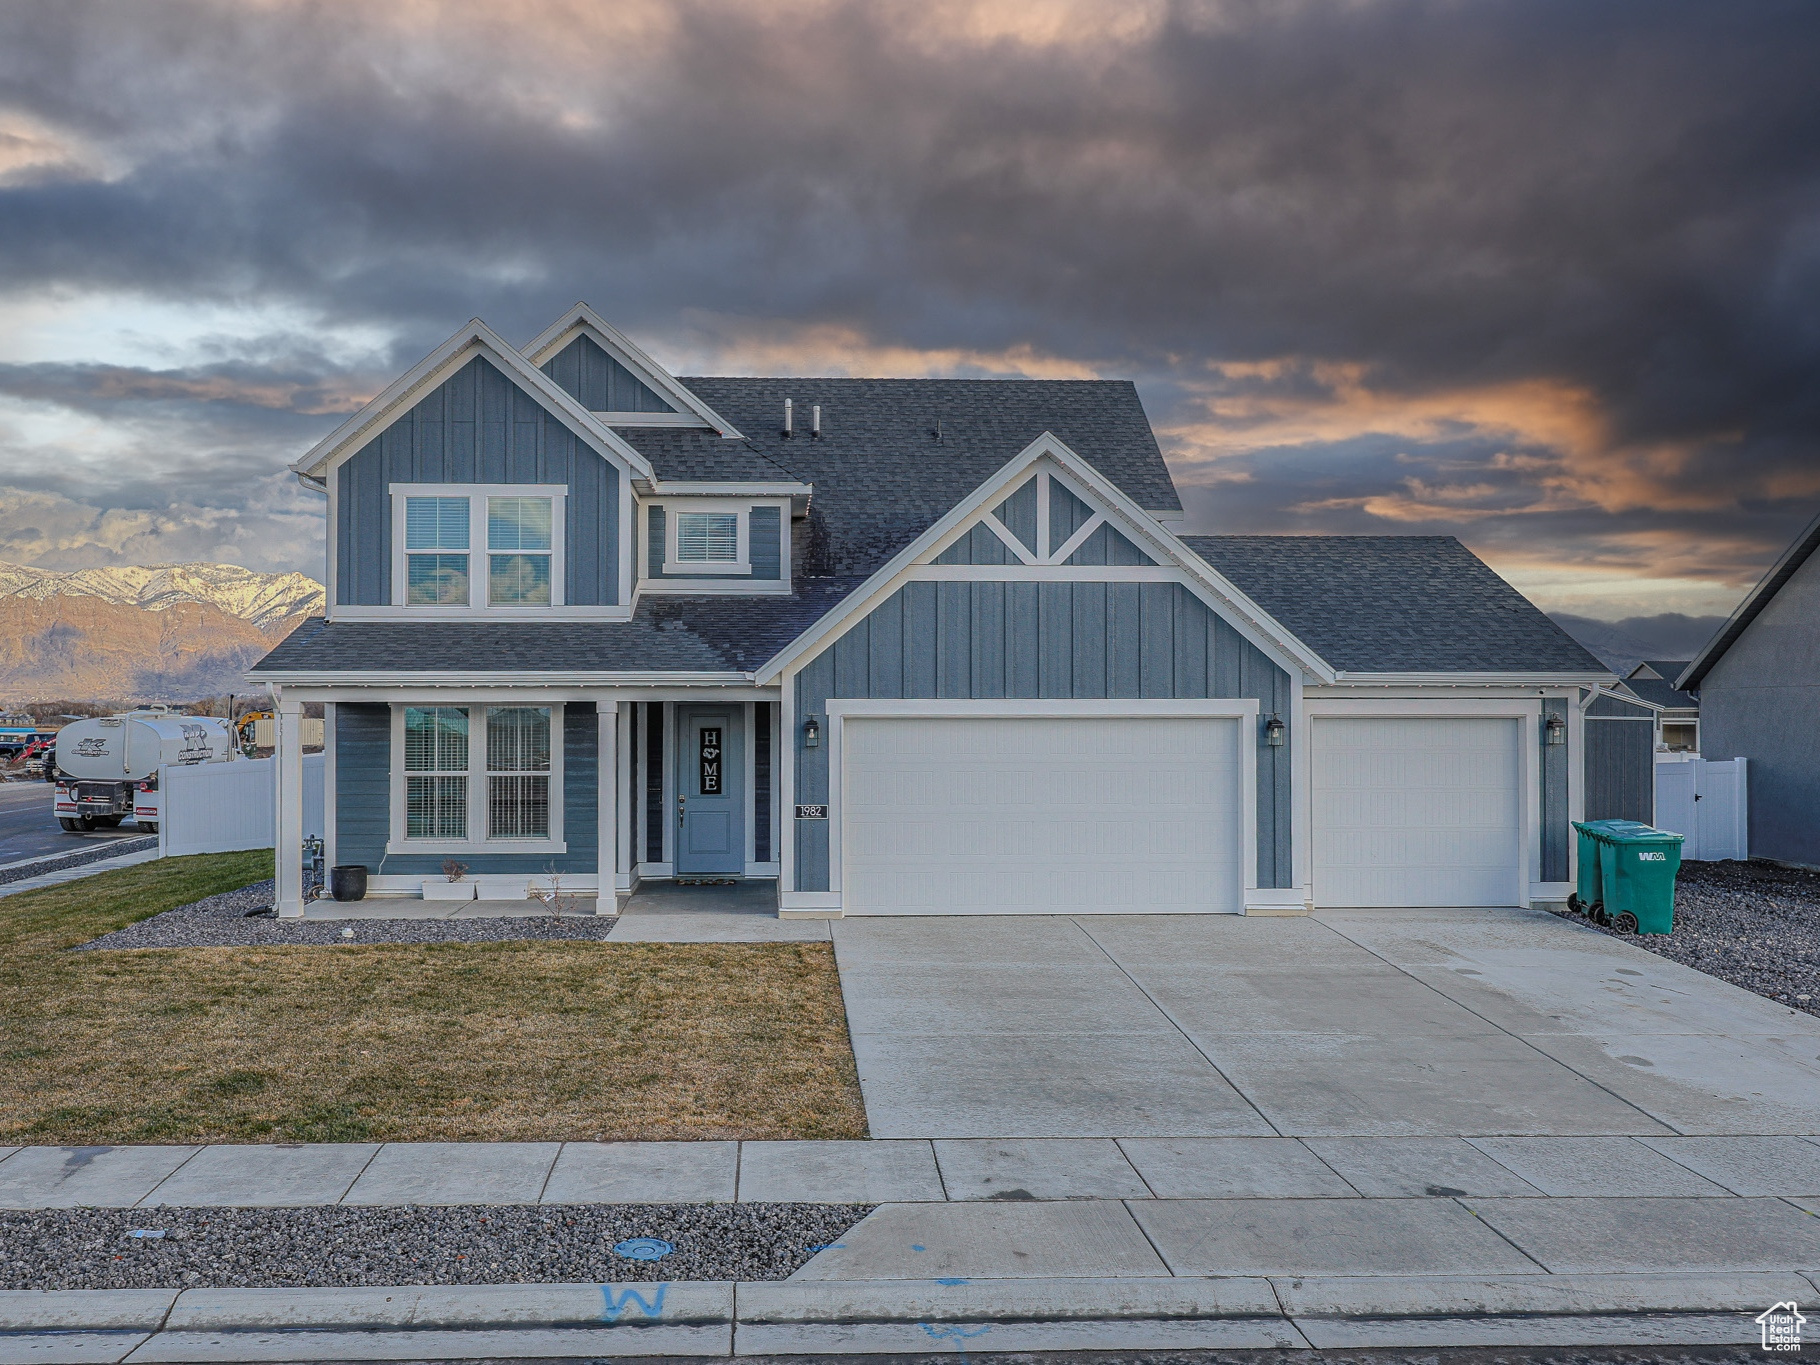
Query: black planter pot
x=348 y=882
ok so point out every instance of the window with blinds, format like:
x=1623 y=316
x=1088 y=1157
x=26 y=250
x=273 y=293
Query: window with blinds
x=436 y=552
x=436 y=772
x=707 y=537
x=518 y=772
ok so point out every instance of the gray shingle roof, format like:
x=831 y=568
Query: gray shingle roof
x=690 y=454
x=882 y=477
x=667 y=634
x=1394 y=604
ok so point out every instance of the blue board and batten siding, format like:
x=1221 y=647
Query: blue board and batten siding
x=1554 y=795
x=599 y=382
x=764 y=546
x=1044 y=640
x=478 y=426
x=363 y=790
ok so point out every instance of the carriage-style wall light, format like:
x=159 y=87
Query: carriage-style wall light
x=1273 y=732
x=812 y=733
x=1556 y=728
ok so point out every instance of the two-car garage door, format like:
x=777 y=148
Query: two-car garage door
x=951 y=815
x=1416 y=811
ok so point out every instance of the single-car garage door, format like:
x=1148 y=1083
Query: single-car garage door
x=946 y=815
x=1416 y=810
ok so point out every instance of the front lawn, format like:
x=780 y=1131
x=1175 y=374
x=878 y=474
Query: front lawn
x=422 y=1042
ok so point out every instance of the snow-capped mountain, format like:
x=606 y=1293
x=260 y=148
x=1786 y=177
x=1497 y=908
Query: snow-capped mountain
x=168 y=632
x=261 y=598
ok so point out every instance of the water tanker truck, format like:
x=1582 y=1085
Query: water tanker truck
x=107 y=768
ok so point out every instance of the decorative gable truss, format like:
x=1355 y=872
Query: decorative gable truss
x=1049 y=515
x=1047 y=521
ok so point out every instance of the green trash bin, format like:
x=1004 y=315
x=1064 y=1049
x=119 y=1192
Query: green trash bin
x=1627 y=875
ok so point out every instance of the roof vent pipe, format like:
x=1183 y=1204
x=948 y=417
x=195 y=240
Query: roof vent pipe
x=815 y=419
x=789 y=417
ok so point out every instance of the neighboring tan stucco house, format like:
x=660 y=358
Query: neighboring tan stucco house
x=899 y=646
x=1758 y=681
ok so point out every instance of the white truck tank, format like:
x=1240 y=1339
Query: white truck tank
x=129 y=748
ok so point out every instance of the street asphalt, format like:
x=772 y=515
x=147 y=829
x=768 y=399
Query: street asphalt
x=29 y=828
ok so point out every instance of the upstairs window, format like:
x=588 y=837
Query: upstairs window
x=478 y=546
x=711 y=540
x=436 y=552
x=707 y=537
x=518 y=551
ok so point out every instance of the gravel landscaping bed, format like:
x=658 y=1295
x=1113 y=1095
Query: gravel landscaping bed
x=221 y=922
x=1753 y=924
x=94 y=853
x=472 y=1244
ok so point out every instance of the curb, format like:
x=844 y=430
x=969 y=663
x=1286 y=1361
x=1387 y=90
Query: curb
x=723 y=1318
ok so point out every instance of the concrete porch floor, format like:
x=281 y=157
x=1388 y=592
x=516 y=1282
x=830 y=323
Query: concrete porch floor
x=743 y=912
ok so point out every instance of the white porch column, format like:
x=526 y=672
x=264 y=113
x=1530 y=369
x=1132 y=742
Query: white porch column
x=606 y=858
x=288 y=850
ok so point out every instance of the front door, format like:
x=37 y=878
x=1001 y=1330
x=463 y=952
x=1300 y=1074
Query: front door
x=710 y=792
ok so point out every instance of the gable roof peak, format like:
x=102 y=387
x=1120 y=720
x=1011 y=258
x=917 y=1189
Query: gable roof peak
x=475 y=339
x=582 y=321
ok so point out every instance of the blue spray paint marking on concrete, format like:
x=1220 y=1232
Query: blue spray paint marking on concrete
x=915 y=1247
x=951 y=1281
x=827 y=1246
x=643 y=1248
x=955 y=1333
x=627 y=1299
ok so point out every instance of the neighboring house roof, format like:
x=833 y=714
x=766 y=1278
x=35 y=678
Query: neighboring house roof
x=669 y=634
x=896 y=455
x=1660 y=688
x=1395 y=604
x=1755 y=601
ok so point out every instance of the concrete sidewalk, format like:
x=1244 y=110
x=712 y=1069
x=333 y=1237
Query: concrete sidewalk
x=872 y=1317
x=77 y=873
x=1723 y=1170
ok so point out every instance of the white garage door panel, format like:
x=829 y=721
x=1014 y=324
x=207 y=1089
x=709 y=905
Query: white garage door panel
x=1081 y=815
x=1416 y=811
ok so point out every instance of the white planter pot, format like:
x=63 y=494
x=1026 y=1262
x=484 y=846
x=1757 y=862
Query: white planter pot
x=443 y=889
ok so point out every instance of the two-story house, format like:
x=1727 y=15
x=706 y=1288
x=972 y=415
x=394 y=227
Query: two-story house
x=904 y=646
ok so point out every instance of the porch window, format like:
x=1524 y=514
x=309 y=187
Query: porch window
x=475 y=778
x=436 y=552
x=436 y=772
x=518 y=772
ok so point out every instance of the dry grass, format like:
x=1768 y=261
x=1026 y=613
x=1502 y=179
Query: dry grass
x=485 y=1042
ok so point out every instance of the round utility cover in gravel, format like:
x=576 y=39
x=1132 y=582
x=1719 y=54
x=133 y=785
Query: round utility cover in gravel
x=221 y=922
x=341 y=1246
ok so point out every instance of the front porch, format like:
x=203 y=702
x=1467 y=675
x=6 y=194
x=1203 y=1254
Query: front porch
x=469 y=803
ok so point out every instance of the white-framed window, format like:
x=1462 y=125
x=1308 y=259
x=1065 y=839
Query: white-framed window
x=707 y=537
x=476 y=778
x=477 y=547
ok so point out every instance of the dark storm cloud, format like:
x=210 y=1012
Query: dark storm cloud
x=1606 y=216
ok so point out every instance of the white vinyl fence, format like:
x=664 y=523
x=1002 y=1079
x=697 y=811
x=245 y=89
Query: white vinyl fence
x=1707 y=803
x=220 y=807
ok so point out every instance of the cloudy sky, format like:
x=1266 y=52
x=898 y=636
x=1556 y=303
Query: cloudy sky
x=1544 y=275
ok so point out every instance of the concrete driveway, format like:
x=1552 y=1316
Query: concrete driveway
x=1463 y=1023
